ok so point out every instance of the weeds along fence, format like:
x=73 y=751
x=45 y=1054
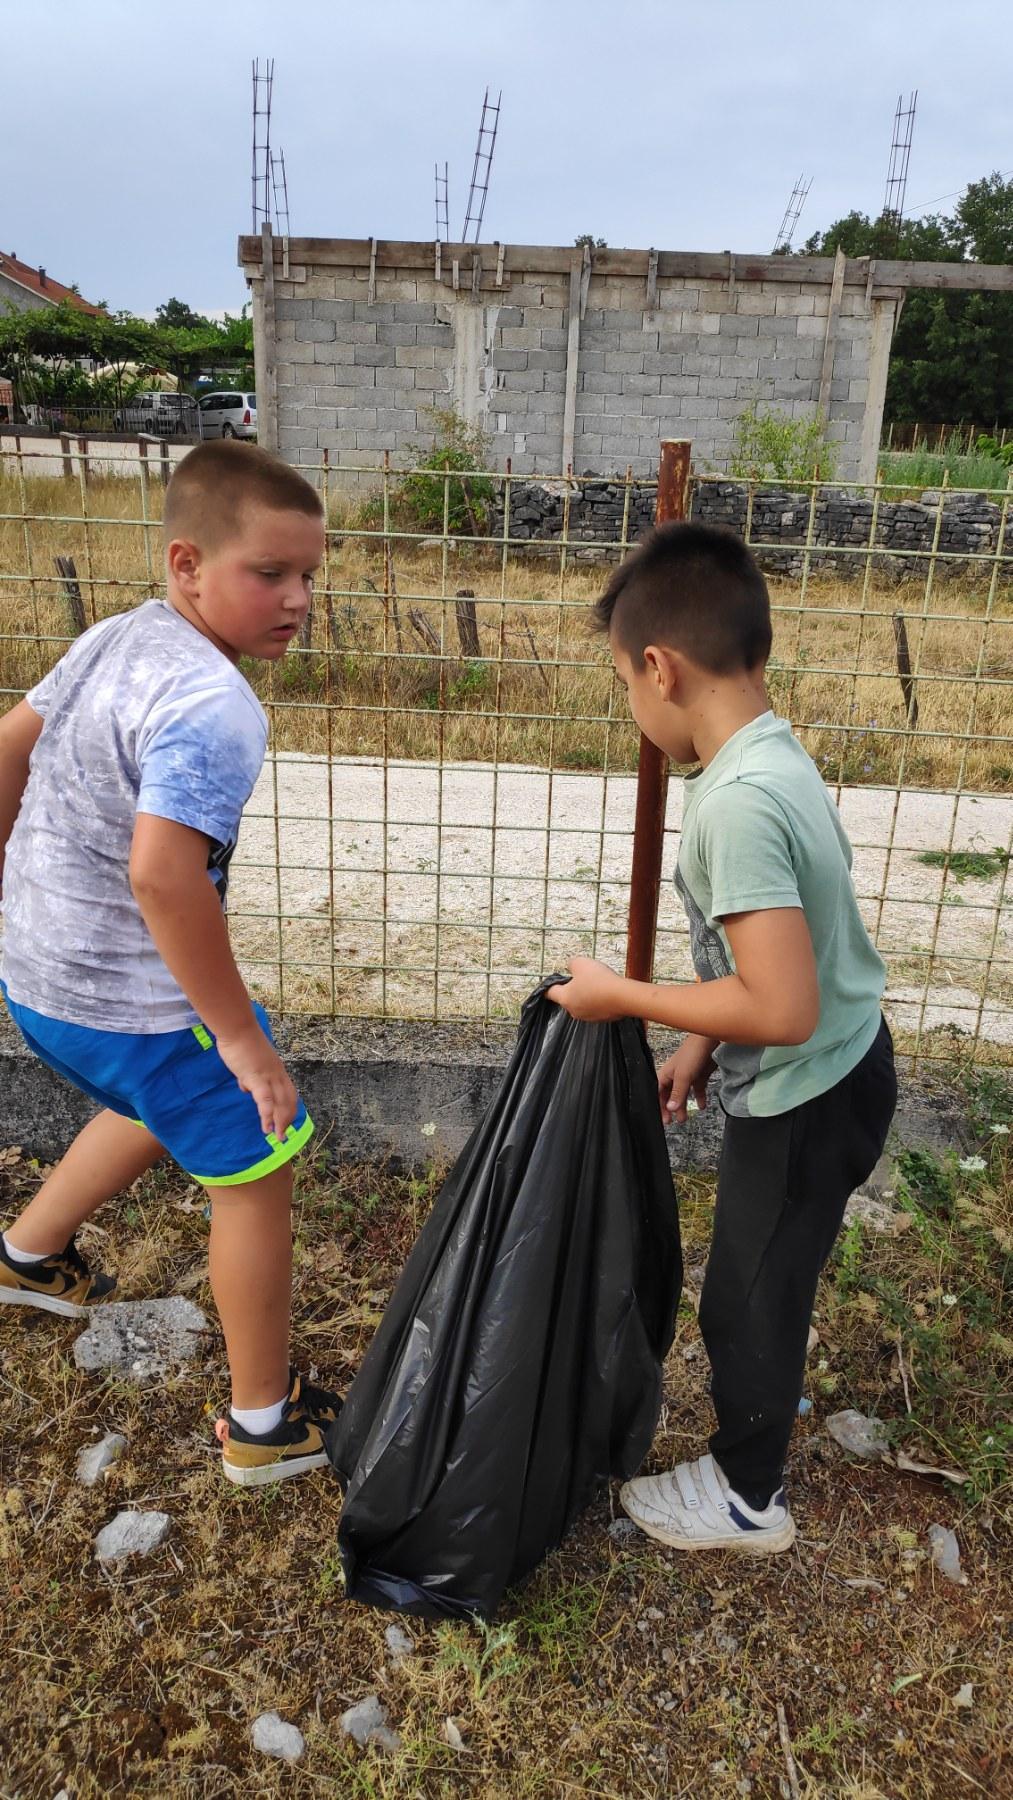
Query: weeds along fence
x=447 y=810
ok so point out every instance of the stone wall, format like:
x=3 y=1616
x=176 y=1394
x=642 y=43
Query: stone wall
x=778 y=523
x=565 y=361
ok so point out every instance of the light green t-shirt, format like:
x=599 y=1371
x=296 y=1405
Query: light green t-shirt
x=760 y=831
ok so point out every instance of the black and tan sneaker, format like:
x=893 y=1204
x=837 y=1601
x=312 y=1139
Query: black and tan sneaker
x=294 y=1447
x=61 y=1284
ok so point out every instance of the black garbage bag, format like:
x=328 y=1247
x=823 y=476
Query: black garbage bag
x=518 y=1365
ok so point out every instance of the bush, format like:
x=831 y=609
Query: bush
x=429 y=498
x=772 y=446
x=990 y=446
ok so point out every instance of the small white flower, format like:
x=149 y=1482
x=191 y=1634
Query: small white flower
x=971 y=1165
x=1000 y=1131
x=430 y=1131
x=822 y=1366
x=949 y=1299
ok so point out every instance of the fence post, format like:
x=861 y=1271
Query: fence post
x=652 y=771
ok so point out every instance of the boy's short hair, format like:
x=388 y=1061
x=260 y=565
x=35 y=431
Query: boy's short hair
x=694 y=588
x=205 y=497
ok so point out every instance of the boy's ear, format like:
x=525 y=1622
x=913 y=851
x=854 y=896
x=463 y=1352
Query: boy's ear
x=665 y=668
x=183 y=559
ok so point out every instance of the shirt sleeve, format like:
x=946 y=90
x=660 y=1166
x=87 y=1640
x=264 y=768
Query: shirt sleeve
x=42 y=695
x=199 y=756
x=745 y=845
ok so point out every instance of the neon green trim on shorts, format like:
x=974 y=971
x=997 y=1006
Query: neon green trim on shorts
x=203 y=1036
x=282 y=1152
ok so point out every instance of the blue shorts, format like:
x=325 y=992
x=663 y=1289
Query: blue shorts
x=176 y=1085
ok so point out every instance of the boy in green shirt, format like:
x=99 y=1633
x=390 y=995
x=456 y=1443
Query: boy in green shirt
x=786 y=1010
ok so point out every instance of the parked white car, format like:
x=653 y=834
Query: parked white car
x=228 y=415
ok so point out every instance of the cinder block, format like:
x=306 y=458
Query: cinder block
x=399 y=335
x=336 y=441
x=809 y=368
x=641 y=384
x=851 y=409
x=605 y=383
x=337 y=395
x=535 y=419
x=589 y=444
x=598 y=337
x=590 y=404
x=415 y=312
x=638 y=340
x=624 y=362
x=802 y=409
x=555 y=339
x=793 y=305
x=730 y=409
x=544 y=443
x=736 y=325
x=373 y=441
x=546 y=359
x=415 y=356
x=620 y=449
x=390 y=419
x=320 y=417
x=747 y=366
x=373 y=312
x=719 y=387
x=701 y=365
x=511 y=359
x=437 y=381
x=355 y=376
x=555 y=382
x=356 y=418
x=521 y=337
x=708 y=324
x=625 y=319
x=329 y=355
x=509 y=315
x=375 y=356
x=436 y=334
x=299 y=353
x=812 y=327
x=338 y=310
x=858 y=389
x=314 y=331
x=662 y=362
x=300 y=437
x=317 y=286
x=284 y=331
x=291 y=309
x=751 y=303
x=591 y=363
x=525 y=381
x=789 y=388
x=543 y=318
x=680 y=384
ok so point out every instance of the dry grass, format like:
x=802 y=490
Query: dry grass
x=619 y=1671
x=541 y=692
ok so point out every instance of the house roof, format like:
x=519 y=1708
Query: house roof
x=37 y=281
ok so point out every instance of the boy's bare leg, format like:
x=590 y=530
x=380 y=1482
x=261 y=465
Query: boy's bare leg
x=250 y=1263
x=104 y=1158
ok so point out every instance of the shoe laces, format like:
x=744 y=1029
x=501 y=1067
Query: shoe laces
x=72 y=1255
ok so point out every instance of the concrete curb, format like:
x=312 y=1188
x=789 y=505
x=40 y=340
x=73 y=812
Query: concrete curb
x=373 y=1089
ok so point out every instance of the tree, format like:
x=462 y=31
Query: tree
x=589 y=242
x=178 y=316
x=950 y=362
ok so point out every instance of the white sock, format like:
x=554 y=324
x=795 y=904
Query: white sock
x=22 y=1256
x=259 y=1420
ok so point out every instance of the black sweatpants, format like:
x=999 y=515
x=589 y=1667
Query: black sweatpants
x=783 y=1184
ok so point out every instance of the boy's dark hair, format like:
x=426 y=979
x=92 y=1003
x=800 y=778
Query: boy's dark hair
x=205 y=497
x=694 y=588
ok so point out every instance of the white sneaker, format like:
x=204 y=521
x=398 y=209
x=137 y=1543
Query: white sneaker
x=692 y=1507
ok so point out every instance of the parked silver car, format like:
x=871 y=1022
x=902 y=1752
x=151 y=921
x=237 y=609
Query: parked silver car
x=228 y=414
x=161 y=415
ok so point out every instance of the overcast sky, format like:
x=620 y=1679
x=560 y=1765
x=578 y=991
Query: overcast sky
x=125 y=125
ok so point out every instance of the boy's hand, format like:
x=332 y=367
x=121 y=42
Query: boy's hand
x=260 y=1072
x=594 y=992
x=686 y=1072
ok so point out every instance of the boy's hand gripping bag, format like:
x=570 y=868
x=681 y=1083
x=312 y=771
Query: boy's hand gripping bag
x=518 y=1365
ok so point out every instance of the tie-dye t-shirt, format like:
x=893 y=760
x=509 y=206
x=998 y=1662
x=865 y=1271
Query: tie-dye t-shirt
x=143 y=714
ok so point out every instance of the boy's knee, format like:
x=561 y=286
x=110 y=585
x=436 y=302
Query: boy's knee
x=269 y=1192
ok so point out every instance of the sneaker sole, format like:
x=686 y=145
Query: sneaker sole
x=766 y=1542
x=64 y=1309
x=277 y=1471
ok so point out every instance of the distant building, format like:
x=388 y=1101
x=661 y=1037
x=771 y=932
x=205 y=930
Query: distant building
x=26 y=288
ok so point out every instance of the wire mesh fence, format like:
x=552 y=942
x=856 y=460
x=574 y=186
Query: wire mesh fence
x=447 y=807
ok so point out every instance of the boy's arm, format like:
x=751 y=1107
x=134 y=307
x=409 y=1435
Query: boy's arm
x=180 y=907
x=20 y=730
x=773 y=997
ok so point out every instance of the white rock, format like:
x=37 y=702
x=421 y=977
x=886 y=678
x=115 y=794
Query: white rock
x=94 y=1459
x=366 y=1723
x=875 y=1215
x=399 y=1643
x=946 y=1554
x=275 y=1737
x=964 y=1696
x=861 y=1436
x=452 y=1734
x=169 y=1332
x=131 y=1534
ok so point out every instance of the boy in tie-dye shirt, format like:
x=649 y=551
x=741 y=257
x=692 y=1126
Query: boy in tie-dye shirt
x=123 y=777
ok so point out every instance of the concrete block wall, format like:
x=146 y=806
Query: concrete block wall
x=561 y=362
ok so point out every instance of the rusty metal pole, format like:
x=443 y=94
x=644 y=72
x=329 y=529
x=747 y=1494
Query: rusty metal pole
x=652 y=772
